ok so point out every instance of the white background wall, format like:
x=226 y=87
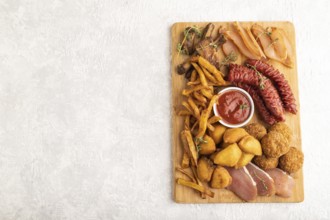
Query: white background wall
x=85 y=107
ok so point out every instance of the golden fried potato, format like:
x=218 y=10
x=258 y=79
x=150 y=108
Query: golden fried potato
x=208 y=146
x=220 y=178
x=292 y=161
x=212 y=156
x=282 y=128
x=228 y=156
x=224 y=145
x=233 y=135
x=274 y=144
x=249 y=144
x=244 y=160
x=256 y=130
x=218 y=132
x=265 y=163
x=205 y=169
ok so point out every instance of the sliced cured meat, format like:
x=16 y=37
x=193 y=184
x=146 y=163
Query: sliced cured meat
x=236 y=38
x=289 y=102
x=265 y=184
x=249 y=43
x=242 y=184
x=284 y=183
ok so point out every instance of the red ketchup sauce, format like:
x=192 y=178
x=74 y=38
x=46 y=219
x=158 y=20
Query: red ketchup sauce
x=234 y=107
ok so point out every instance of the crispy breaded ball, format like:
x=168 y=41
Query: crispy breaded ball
x=274 y=144
x=256 y=130
x=265 y=163
x=292 y=161
x=282 y=128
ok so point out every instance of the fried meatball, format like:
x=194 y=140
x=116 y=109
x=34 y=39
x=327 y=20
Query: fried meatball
x=256 y=130
x=274 y=144
x=292 y=161
x=282 y=128
x=265 y=163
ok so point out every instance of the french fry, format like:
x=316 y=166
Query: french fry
x=207 y=93
x=196 y=82
x=194 y=125
x=194 y=107
x=209 y=76
x=211 y=89
x=187 y=106
x=201 y=74
x=199 y=97
x=212 y=101
x=188 y=142
x=210 y=127
x=208 y=192
x=187 y=92
x=198 y=181
x=203 y=121
x=187 y=122
x=193 y=76
x=214 y=119
x=202 y=124
x=186 y=173
x=200 y=105
x=207 y=65
x=185 y=160
x=195 y=186
x=184 y=113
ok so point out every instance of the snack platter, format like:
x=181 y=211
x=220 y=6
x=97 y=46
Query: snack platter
x=220 y=193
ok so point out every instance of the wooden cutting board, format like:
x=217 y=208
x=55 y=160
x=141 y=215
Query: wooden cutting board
x=183 y=194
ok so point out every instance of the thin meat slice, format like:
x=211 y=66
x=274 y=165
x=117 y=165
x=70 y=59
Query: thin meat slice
x=259 y=103
x=280 y=82
x=284 y=183
x=265 y=184
x=242 y=184
x=236 y=38
x=250 y=45
x=242 y=74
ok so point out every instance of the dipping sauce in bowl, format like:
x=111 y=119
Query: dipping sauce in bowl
x=234 y=106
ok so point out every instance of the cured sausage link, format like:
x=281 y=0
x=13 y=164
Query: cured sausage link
x=259 y=103
x=242 y=74
x=289 y=102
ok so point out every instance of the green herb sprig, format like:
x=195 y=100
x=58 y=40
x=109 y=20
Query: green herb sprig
x=186 y=34
x=232 y=57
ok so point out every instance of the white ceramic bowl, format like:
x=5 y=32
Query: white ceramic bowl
x=215 y=110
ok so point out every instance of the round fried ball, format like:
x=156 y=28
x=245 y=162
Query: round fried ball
x=256 y=130
x=292 y=161
x=265 y=163
x=282 y=128
x=274 y=144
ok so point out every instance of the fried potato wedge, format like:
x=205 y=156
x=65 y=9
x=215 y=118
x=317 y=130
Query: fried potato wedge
x=218 y=133
x=244 y=160
x=251 y=145
x=234 y=135
x=220 y=178
x=205 y=169
x=228 y=156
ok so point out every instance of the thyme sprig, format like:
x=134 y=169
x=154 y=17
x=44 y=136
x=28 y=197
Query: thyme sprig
x=199 y=141
x=186 y=34
x=243 y=106
x=261 y=78
x=268 y=32
x=232 y=57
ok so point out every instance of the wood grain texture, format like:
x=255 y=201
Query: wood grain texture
x=186 y=195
